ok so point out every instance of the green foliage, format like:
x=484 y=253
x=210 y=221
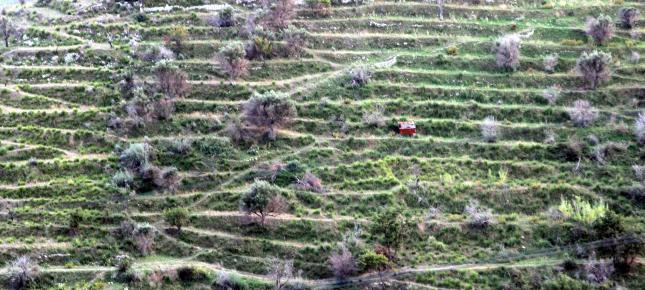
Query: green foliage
x=257 y=200
x=177 y=217
x=389 y=227
x=581 y=210
x=564 y=282
x=370 y=260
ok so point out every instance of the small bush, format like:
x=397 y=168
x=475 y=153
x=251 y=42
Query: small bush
x=374 y=118
x=628 y=17
x=594 y=68
x=582 y=211
x=508 y=52
x=370 y=261
x=639 y=128
x=639 y=173
x=257 y=201
x=123 y=179
x=635 y=57
x=226 y=281
x=176 y=217
x=136 y=157
x=551 y=94
x=571 y=42
x=225 y=17
x=550 y=62
x=489 y=129
x=310 y=182
x=342 y=263
x=601 y=29
x=269 y=111
x=360 y=76
x=582 y=113
x=477 y=216
x=22 y=272
x=452 y=50
x=231 y=59
x=295 y=41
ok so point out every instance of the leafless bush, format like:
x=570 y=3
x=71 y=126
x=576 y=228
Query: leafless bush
x=639 y=172
x=635 y=57
x=281 y=272
x=167 y=178
x=582 y=113
x=508 y=52
x=342 y=263
x=310 y=182
x=171 y=81
x=9 y=29
x=295 y=41
x=551 y=94
x=22 y=272
x=601 y=29
x=360 y=76
x=478 y=217
x=639 y=128
x=277 y=204
x=550 y=62
x=628 y=16
x=489 y=129
x=144 y=237
x=374 y=118
x=231 y=59
x=603 y=151
x=594 y=68
x=281 y=14
x=598 y=271
x=240 y=132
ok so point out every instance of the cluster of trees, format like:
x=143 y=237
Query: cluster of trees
x=261 y=29
x=146 y=103
x=139 y=173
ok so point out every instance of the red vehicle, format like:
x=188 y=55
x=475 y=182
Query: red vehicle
x=407 y=128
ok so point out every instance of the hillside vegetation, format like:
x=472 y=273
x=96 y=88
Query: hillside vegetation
x=216 y=144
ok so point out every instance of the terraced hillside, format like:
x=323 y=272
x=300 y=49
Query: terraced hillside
x=248 y=145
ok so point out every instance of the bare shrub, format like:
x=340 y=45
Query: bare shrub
x=550 y=62
x=295 y=41
x=635 y=57
x=167 y=178
x=144 y=238
x=360 y=76
x=231 y=59
x=239 y=132
x=281 y=272
x=639 y=173
x=477 y=216
x=601 y=29
x=508 y=52
x=310 y=182
x=342 y=263
x=639 y=128
x=269 y=111
x=598 y=271
x=582 y=113
x=9 y=29
x=594 y=68
x=154 y=53
x=551 y=94
x=171 y=81
x=22 y=272
x=489 y=129
x=628 y=17
x=374 y=118
x=281 y=14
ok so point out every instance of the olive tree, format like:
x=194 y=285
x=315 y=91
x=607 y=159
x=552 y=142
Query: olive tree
x=269 y=111
x=262 y=200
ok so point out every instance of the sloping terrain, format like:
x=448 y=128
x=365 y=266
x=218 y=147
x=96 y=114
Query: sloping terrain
x=527 y=198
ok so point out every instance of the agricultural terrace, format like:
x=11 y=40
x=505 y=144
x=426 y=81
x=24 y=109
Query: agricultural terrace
x=198 y=144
